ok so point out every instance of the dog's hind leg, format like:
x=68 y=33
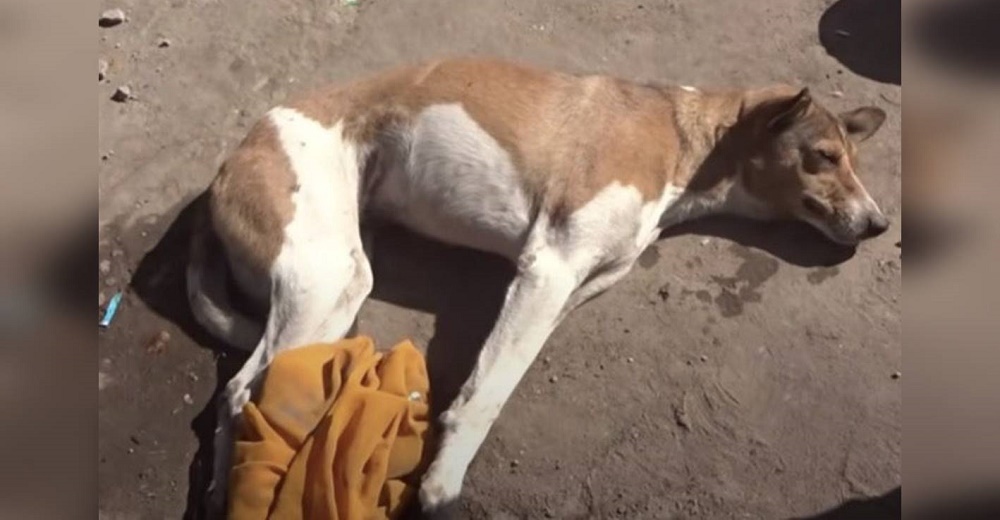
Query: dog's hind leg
x=321 y=275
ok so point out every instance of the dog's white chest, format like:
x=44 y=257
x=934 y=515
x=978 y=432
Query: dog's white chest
x=456 y=184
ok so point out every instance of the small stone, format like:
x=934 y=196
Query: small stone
x=193 y=377
x=897 y=375
x=703 y=358
x=105 y=266
x=515 y=463
x=100 y=298
x=705 y=241
x=549 y=513
x=554 y=379
x=163 y=43
x=546 y=360
x=111 y=18
x=134 y=439
x=158 y=344
x=837 y=93
x=122 y=94
x=131 y=451
x=630 y=360
x=187 y=399
x=110 y=281
x=102 y=70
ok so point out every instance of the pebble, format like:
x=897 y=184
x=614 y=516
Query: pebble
x=187 y=399
x=105 y=266
x=553 y=379
x=630 y=360
x=837 y=94
x=102 y=70
x=163 y=43
x=546 y=360
x=193 y=377
x=159 y=343
x=122 y=94
x=705 y=241
x=703 y=358
x=515 y=463
x=131 y=451
x=897 y=375
x=111 y=18
x=110 y=281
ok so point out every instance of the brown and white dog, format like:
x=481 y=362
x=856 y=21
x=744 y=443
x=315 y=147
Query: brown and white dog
x=569 y=176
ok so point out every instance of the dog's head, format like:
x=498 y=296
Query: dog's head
x=801 y=162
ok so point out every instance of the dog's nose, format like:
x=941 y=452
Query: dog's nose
x=877 y=224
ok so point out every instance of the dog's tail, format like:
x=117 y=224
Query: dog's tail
x=207 y=279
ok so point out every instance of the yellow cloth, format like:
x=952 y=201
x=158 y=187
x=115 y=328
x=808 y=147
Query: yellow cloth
x=337 y=433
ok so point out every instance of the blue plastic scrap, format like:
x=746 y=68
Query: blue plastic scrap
x=111 y=310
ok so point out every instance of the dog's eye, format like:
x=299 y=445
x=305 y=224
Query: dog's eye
x=828 y=156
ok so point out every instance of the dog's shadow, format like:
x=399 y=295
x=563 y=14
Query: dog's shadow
x=463 y=289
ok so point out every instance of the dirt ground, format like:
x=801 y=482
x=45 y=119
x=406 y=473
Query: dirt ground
x=741 y=371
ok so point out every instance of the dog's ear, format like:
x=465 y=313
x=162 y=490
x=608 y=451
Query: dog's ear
x=791 y=110
x=862 y=123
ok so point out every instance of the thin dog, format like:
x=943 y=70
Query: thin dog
x=569 y=176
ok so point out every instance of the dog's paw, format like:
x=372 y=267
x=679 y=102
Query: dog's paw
x=438 y=502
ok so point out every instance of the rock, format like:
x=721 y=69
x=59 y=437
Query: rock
x=897 y=375
x=706 y=241
x=554 y=379
x=102 y=70
x=105 y=266
x=630 y=360
x=110 y=281
x=111 y=18
x=163 y=43
x=837 y=94
x=187 y=399
x=122 y=94
x=159 y=343
x=193 y=377
x=515 y=463
x=703 y=358
x=546 y=360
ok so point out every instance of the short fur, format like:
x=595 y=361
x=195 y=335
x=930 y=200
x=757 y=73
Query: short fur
x=570 y=177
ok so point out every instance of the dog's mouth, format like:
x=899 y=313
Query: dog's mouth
x=828 y=221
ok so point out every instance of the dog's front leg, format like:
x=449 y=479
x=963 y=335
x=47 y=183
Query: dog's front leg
x=531 y=311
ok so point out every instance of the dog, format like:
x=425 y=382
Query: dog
x=568 y=176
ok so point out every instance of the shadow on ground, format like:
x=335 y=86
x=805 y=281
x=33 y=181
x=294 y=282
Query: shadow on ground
x=864 y=35
x=463 y=289
x=885 y=507
x=960 y=35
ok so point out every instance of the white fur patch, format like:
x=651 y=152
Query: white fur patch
x=458 y=185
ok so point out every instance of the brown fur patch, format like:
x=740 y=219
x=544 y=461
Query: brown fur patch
x=250 y=202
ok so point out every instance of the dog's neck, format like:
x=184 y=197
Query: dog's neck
x=710 y=168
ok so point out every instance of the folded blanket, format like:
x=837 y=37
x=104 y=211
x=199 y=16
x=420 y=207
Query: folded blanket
x=338 y=432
